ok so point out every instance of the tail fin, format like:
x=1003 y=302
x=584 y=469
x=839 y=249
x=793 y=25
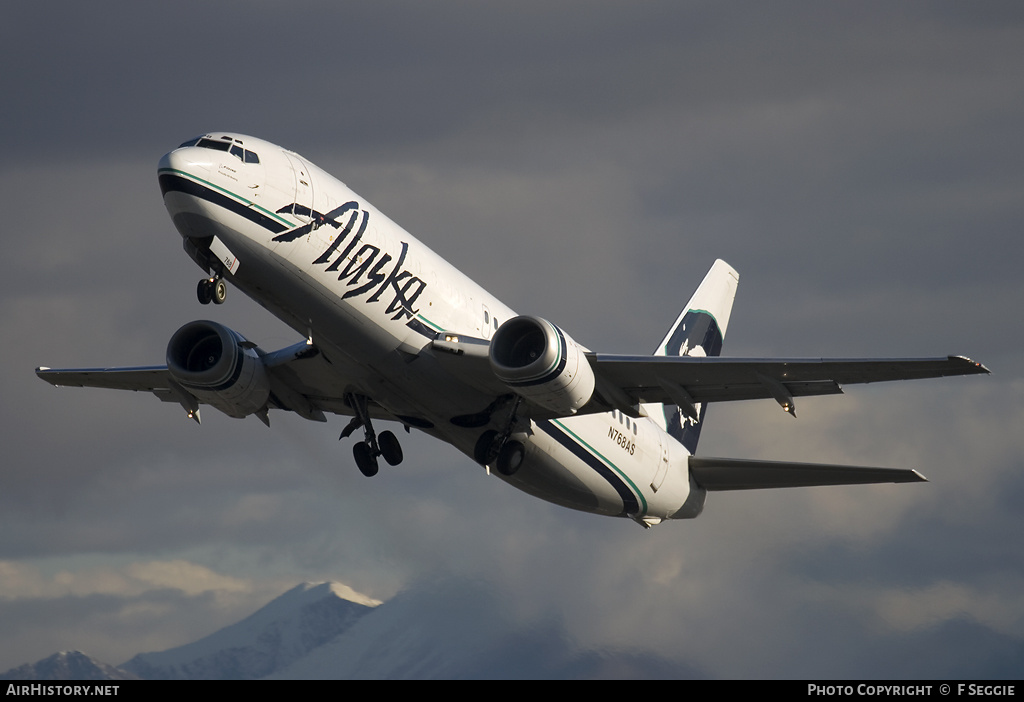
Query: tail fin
x=698 y=331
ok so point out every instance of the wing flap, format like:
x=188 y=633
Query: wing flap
x=717 y=474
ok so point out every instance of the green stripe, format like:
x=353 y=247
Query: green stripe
x=246 y=202
x=429 y=323
x=709 y=315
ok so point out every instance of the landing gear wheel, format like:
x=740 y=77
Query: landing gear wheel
x=486 y=449
x=219 y=291
x=389 y=447
x=365 y=459
x=204 y=291
x=511 y=457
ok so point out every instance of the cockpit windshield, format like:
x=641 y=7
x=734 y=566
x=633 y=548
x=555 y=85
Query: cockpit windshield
x=224 y=144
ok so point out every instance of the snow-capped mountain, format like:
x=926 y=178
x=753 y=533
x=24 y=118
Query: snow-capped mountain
x=458 y=629
x=67 y=665
x=447 y=629
x=292 y=625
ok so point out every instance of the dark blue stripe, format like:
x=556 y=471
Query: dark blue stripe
x=170 y=182
x=421 y=328
x=629 y=503
x=317 y=218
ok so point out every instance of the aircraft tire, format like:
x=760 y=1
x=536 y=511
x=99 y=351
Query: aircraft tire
x=389 y=447
x=219 y=292
x=365 y=461
x=511 y=457
x=204 y=291
x=485 y=450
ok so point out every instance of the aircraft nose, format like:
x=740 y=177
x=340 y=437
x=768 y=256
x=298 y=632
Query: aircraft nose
x=178 y=167
x=168 y=162
x=186 y=159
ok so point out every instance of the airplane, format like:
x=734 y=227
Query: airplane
x=393 y=332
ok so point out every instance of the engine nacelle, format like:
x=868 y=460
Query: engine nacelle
x=219 y=367
x=542 y=363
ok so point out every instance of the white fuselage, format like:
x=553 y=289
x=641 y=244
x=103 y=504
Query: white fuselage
x=373 y=298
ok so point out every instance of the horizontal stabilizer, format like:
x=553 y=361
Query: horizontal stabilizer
x=715 y=474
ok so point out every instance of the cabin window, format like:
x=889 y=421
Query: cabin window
x=215 y=145
x=237 y=151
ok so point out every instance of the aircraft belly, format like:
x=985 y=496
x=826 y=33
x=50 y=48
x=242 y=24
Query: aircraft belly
x=568 y=469
x=553 y=473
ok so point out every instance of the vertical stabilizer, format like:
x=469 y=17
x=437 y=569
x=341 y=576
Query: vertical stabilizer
x=698 y=331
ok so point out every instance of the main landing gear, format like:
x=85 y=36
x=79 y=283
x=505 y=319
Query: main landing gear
x=365 y=452
x=499 y=448
x=213 y=290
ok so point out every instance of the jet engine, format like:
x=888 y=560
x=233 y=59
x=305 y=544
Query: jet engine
x=219 y=367
x=542 y=363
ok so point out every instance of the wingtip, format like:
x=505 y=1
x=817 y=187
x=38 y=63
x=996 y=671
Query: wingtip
x=44 y=373
x=973 y=366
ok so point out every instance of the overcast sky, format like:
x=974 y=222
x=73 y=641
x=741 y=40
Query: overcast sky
x=860 y=164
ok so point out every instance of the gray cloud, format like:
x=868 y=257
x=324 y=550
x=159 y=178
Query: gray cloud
x=859 y=166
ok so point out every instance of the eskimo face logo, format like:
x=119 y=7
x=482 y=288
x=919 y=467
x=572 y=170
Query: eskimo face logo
x=363 y=266
x=696 y=335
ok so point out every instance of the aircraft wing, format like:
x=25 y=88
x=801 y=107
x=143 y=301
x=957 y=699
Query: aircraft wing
x=688 y=380
x=625 y=382
x=303 y=383
x=154 y=379
x=147 y=378
x=300 y=381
